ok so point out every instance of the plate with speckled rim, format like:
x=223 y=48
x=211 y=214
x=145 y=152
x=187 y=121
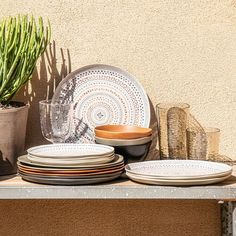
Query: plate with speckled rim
x=178 y=169
x=68 y=150
x=177 y=182
x=76 y=161
x=117 y=161
x=102 y=94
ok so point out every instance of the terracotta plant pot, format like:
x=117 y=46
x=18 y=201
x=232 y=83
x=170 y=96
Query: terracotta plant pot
x=12 y=137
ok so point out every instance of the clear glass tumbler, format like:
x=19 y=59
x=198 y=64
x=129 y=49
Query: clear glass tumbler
x=54 y=120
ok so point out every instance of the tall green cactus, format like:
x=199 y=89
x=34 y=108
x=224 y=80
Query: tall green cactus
x=22 y=41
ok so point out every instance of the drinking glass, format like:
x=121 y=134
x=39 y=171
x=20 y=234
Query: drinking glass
x=54 y=120
x=203 y=144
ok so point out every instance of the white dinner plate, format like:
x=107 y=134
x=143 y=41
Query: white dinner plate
x=117 y=161
x=70 y=150
x=102 y=94
x=72 y=161
x=178 y=169
x=177 y=182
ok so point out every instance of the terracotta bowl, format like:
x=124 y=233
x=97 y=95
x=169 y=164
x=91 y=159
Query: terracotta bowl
x=121 y=132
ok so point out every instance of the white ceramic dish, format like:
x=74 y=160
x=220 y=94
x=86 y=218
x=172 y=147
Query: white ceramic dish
x=117 y=161
x=81 y=158
x=70 y=150
x=102 y=94
x=177 y=182
x=72 y=161
x=123 y=142
x=179 y=169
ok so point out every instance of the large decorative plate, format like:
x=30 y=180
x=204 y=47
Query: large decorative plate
x=102 y=94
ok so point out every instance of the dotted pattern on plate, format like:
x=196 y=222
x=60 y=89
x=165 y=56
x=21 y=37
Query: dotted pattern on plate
x=177 y=168
x=102 y=95
x=70 y=150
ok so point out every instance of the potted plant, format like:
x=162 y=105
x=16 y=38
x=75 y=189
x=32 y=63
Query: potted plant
x=22 y=41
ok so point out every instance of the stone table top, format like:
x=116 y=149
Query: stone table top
x=13 y=187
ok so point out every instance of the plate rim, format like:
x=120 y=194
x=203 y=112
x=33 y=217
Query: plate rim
x=180 y=182
x=120 y=159
x=175 y=162
x=145 y=96
x=111 y=149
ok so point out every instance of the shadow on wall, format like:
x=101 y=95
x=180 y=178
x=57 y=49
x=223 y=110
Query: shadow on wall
x=5 y=165
x=45 y=79
x=154 y=152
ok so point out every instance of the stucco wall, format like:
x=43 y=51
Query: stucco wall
x=179 y=50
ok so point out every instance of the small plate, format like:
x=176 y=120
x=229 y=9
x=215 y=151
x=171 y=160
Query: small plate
x=71 y=161
x=70 y=150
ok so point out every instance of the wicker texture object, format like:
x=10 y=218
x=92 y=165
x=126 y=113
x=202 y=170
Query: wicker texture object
x=181 y=136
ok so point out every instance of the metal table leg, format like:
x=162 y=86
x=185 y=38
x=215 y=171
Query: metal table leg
x=228 y=218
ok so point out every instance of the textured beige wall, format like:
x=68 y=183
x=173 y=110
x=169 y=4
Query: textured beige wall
x=179 y=50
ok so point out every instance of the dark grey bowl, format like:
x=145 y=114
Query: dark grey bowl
x=133 y=153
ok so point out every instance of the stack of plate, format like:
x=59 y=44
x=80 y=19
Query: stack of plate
x=70 y=164
x=178 y=172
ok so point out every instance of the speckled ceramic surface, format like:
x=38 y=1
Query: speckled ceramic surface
x=71 y=161
x=70 y=150
x=102 y=94
x=177 y=182
x=178 y=169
